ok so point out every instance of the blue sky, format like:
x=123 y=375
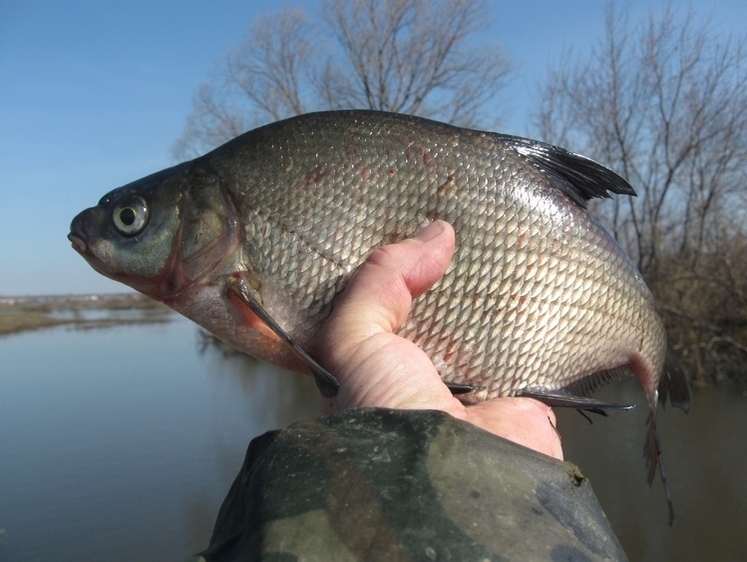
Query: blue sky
x=93 y=95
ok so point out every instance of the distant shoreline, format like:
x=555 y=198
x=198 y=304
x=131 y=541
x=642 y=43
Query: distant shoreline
x=26 y=313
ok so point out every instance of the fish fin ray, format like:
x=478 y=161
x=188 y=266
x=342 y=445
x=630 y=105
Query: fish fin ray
x=326 y=383
x=460 y=388
x=577 y=176
x=654 y=463
x=563 y=399
x=674 y=383
x=590 y=383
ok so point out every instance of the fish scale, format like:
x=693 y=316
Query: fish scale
x=256 y=239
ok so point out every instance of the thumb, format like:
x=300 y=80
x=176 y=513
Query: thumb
x=394 y=275
x=357 y=342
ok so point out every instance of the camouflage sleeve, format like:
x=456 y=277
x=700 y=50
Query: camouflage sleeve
x=378 y=484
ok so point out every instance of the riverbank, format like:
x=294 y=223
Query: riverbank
x=20 y=314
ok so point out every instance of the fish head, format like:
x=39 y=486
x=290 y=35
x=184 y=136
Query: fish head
x=162 y=235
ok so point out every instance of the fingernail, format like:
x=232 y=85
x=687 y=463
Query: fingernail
x=430 y=231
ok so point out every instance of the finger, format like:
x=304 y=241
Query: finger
x=357 y=343
x=394 y=275
x=525 y=421
x=379 y=296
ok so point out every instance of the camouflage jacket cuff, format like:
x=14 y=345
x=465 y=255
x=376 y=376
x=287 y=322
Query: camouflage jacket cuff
x=380 y=484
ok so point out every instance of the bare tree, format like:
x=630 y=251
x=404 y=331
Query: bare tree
x=265 y=78
x=664 y=102
x=409 y=56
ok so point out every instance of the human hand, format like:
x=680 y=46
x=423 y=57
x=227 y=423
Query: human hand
x=376 y=367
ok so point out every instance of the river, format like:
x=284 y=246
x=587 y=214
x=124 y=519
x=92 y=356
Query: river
x=120 y=444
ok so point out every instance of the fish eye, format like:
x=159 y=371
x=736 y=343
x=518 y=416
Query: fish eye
x=130 y=216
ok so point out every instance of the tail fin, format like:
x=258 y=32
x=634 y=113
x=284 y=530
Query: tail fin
x=673 y=385
x=652 y=452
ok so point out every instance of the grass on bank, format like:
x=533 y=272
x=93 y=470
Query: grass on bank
x=25 y=314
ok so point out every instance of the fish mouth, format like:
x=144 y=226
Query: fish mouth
x=77 y=235
x=79 y=245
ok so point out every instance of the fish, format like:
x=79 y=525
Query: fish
x=256 y=240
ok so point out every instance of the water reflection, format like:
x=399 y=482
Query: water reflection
x=121 y=443
x=704 y=453
x=114 y=315
x=275 y=397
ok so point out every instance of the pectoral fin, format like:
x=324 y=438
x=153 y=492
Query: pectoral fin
x=240 y=289
x=459 y=388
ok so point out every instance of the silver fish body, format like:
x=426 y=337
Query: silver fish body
x=539 y=295
x=538 y=298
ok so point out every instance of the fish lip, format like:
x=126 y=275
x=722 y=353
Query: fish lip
x=79 y=245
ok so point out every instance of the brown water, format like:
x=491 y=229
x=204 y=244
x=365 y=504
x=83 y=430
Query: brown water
x=705 y=455
x=120 y=444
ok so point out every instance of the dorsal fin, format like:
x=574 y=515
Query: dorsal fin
x=579 y=177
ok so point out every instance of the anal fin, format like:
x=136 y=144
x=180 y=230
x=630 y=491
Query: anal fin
x=564 y=399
